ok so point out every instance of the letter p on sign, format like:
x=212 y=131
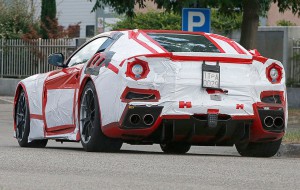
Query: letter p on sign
x=196 y=20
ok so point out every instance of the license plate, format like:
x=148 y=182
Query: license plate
x=211 y=79
x=211 y=76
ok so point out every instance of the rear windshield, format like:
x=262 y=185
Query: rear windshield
x=184 y=42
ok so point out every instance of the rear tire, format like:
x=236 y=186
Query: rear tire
x=91 y=136
x=22 y=119
x=175 y=148
x=263 y=149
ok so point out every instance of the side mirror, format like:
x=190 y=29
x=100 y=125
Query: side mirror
x=56 y=59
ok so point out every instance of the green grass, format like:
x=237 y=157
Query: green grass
x=294 y=111
x=292 y=137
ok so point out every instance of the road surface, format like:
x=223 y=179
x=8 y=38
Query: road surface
x=67 y=166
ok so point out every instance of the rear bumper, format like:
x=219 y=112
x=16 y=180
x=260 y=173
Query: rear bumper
x=194 y=129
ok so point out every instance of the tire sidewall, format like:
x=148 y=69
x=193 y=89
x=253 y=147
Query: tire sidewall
x=24 y=141
x=90 y=145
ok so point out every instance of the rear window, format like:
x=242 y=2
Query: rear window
x=184 y=42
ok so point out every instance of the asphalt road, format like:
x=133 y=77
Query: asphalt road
x=67 y=166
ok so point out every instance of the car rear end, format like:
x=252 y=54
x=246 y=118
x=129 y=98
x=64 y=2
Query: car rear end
x=202 y=94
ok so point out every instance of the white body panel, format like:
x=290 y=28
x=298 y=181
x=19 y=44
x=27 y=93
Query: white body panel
x=175 y=80
x=59 y=110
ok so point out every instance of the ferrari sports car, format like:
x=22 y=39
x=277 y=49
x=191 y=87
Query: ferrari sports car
x=172 y=88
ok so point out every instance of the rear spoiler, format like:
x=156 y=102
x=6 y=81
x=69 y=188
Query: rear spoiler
x=199 y=56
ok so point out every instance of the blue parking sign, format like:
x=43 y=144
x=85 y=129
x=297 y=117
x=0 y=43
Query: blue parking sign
x=196 y=19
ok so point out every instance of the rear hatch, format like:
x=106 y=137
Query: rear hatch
x=179 y=77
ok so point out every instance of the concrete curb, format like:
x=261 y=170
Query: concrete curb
x=289 y=150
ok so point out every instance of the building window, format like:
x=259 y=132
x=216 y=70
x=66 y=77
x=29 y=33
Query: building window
x=90 y=30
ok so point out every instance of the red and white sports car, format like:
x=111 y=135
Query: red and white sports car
x=173 y=88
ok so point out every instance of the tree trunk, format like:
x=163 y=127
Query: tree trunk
x=249 y=23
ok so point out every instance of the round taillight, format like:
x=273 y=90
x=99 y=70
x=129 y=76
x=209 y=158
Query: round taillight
x=274 y=73
x=137 y=70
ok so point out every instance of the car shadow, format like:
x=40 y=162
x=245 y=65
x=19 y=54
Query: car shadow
x=79 y=149
x=124 y=151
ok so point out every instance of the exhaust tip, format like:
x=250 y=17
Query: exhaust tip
x=134 y=119
x=269 y=121
x=148 y=119
x=278 y=122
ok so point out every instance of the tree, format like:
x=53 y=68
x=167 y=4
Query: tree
x=251 y=10
x=150 y=20
x=49 y=23
x=225 y=24
x=170 y=21
x=15 y=19
x=285 y=23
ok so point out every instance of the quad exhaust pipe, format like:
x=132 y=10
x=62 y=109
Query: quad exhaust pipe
x=148 y=119
x=269 y=121
x=276 y=122
x=135 y=119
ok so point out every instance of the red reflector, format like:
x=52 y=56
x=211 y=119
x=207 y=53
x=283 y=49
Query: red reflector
x=240 y=106
x=183 y=104
x=213 y=111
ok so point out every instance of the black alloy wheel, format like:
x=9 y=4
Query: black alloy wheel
x=91 y=136
x=22 y=119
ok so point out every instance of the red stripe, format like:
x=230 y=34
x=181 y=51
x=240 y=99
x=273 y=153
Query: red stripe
x=152 y=50
x=237 y=48
x=243 y=117
x=214 y=59
x=134 y=36
x=60 y=128
x=213 y=111
x=193 y=58
x=153 y=41
x=215 y=91
x=215 y=43
x=131 y=34
x=113 y=68
x=176 y=117
x=121 y=64
x=36 y=116
x=163 y=55
x=260 y=59
x=230 y=42
x=60 y=132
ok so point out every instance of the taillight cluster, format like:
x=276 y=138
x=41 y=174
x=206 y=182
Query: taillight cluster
x=137 y=69
x=274 y=73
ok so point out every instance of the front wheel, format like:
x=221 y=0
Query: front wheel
x=91 y=136
x=175 y=148
x=22 y=120
x=262 y=149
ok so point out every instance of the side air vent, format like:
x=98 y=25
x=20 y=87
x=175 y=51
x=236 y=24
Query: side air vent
x=139 y=96
x=135 y=94
x=272 y=99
